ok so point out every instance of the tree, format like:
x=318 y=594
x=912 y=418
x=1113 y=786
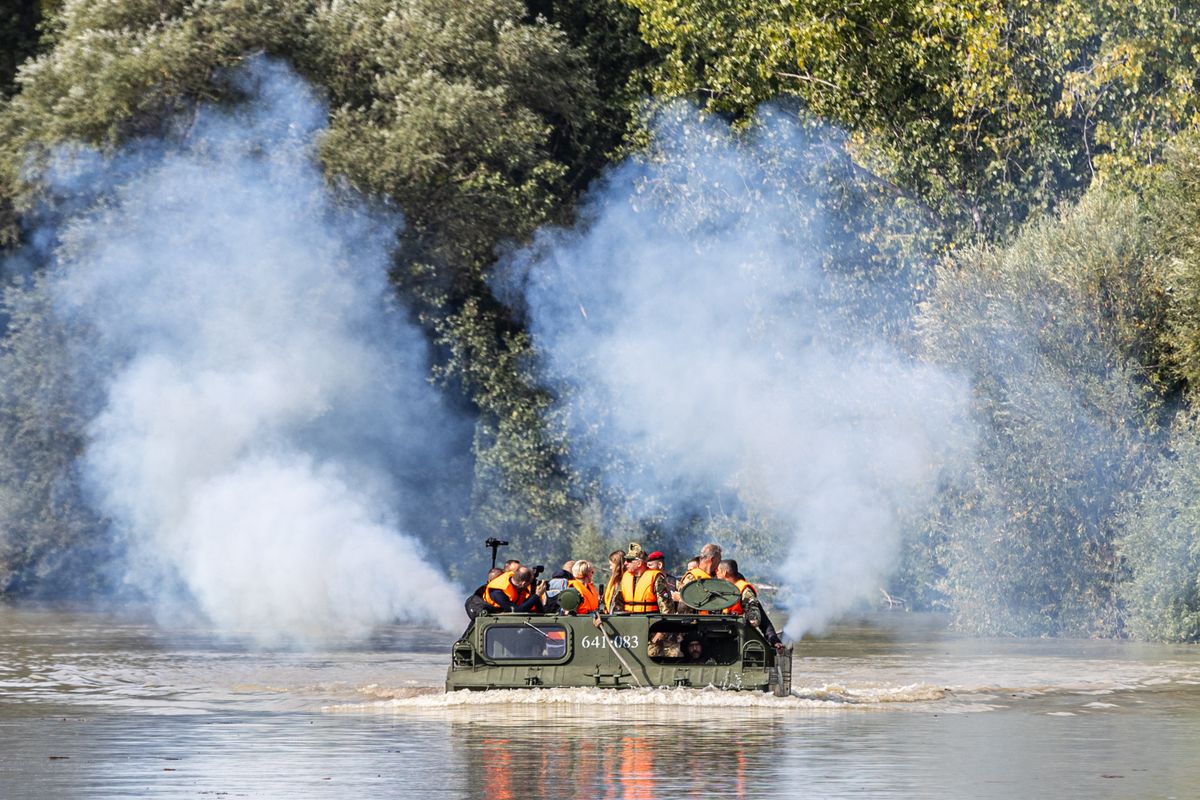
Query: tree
x=986 y=110
x=1057 y=333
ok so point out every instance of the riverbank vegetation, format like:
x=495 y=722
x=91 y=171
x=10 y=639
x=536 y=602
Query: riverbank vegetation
x=1015 y=187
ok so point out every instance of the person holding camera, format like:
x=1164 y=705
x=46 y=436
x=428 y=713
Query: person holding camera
x=516 y=591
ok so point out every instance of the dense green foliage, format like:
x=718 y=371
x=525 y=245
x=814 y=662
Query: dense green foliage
x=1075 y=517
x=1079 y=335
x=984 y=110
x=1160 y=539
x=1050 y=329
x=1016 y=197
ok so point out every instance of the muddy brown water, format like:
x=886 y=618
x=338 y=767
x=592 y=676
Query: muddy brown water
x=894 y=706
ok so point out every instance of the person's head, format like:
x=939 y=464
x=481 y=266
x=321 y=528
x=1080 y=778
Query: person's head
x=655 y=560
x=494 y=573
x=522 y=577
x=511 y=565
x=569 y=567
x=693 y=648
x=710 y=556
x=582 y=570
x=693 y=562
x=635 y=559
x=616 y=560
x=727 y=570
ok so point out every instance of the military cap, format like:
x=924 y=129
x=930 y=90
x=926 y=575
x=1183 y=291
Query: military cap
x=635 y=551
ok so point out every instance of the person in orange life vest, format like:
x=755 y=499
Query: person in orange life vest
x=710 y=556
x=493 y=573
x=748 y=604
x=612 y=589
x=513 y=591
x=643 y=591
x=582 y=583
x=475 y=603
x=727 y=570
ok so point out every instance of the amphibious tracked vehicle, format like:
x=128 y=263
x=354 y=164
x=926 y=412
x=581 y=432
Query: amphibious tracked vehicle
x=518 y=651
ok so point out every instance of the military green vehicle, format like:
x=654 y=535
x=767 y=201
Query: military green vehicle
x=621 y=651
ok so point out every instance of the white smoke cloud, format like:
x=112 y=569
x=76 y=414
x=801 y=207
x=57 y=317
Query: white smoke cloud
x=686 y=321
x=259 y=388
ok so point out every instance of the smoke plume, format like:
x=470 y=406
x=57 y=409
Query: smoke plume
x=262 y=400
x=696 y=337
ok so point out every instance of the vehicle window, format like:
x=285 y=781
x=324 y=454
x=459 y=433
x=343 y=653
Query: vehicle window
x=525 y=642
x=716 y=642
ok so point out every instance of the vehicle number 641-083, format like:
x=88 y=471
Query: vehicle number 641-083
x=623 y=642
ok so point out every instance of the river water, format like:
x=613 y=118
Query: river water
x=100 y=706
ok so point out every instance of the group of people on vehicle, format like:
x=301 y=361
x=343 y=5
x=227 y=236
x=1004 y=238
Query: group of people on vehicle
x=637 y=584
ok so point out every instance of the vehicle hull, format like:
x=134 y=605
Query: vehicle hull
x=518 y=651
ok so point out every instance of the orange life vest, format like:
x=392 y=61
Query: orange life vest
x=742 y=585
x=589 y=593
x=503 y=582
x=611 y=590
x=639 y=597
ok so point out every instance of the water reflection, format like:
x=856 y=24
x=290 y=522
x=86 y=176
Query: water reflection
x=638 y=753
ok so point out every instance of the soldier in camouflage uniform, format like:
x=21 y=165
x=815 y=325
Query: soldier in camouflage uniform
x=657 y=560
x=635 y=566
x=749 y=604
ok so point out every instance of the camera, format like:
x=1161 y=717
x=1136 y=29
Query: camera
x=538 y=570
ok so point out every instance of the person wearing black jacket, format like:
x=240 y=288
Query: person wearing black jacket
x=475 y=604
x=514 y=591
